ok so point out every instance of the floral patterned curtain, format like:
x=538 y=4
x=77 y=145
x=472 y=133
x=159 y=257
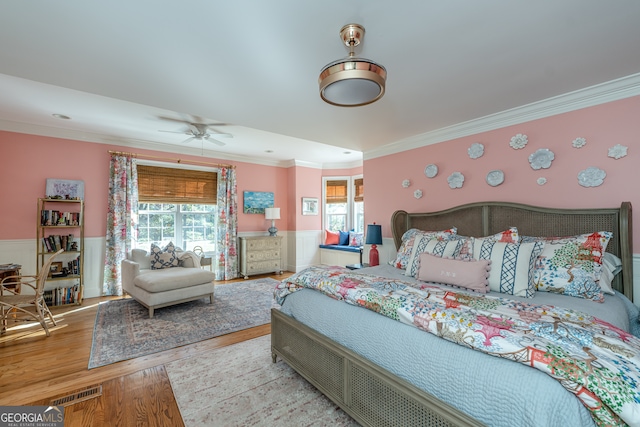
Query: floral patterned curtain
x=226 y=234
x=122 y=219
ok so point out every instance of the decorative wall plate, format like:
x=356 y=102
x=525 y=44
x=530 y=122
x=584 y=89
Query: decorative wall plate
x=617 y=151
x=495 y=178
x=476 y=150
x=431 y=170
x=417 y=194
x=541 y=159
x=455 y=180
x=518 y=141
x=406 y=183
x=542 y=180
x=579 y=142
x=591 y=177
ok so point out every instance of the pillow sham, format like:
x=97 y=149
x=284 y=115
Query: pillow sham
x=434 y=246
x=163 y=258
x=467 y=274
x=611 y=265
x=355 y=239
x=512 y=265
x=572 y=265
x=331 y=237
x=408 y=239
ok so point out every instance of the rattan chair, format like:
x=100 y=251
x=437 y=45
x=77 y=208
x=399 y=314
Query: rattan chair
x=12 y=302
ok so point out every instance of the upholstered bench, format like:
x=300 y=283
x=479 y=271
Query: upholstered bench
x=157 y=288
x=340 y=255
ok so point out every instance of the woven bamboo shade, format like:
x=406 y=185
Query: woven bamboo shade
x=169 y=185
x=336 y=191
x=359 y=187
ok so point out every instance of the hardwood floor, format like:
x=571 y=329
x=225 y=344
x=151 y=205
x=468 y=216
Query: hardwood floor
x=36 y=369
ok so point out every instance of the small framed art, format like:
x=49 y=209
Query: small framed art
x=309 y=206
x=64 y=189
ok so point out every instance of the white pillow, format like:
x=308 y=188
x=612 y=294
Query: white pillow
x=512 y=265
x=611 y=265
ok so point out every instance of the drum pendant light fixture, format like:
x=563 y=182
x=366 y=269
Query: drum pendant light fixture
x=351 y=81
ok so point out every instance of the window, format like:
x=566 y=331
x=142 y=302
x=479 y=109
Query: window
x=176 y=205
x=343 y=199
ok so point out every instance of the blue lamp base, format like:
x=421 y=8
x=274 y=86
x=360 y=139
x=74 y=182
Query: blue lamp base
x=273 y=231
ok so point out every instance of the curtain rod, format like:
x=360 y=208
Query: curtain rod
x=145 y=156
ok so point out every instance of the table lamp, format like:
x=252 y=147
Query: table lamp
x=374 y=238
x=272 y=214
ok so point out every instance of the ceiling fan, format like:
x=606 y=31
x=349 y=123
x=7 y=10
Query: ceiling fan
x=202 y=132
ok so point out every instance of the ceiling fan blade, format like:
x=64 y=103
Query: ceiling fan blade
x=215 y=141
x=176 y=131
x=188 y=140
x=223 y=135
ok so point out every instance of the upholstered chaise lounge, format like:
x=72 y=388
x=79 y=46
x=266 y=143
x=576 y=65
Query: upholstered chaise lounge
x=157 y=288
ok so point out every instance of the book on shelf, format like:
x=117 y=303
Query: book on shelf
x=56 y=242
x=61 y=295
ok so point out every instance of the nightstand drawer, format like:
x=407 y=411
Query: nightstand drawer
x=263 y=255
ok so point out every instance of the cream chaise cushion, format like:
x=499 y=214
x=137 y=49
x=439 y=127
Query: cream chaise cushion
x=172 y=278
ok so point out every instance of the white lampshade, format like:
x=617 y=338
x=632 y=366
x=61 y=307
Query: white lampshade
x=272 y=213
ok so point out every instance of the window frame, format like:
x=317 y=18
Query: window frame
x=351 y=211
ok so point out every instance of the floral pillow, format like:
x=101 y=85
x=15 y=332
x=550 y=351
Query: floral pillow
x=163 y=258
x=408 y=239
x=572 y=265
x=355 y=239
x=512 y=265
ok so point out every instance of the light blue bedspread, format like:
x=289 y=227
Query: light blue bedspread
x=471 y=381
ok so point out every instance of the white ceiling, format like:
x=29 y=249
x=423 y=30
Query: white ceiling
x=117 y=67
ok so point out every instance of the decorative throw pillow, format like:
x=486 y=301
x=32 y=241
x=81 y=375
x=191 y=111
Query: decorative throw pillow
x=163 y=258
x=611 y=265
x=344 y=238
x=331 y=237
x=508 y=236
x=355 y=239
x=512 y=265
x=434 y=246
x=408 y=239
x=572 y=265
x=467 y=274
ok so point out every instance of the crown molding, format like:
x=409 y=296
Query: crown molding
x=613 y=90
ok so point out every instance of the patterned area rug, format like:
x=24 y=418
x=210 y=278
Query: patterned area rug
x=123 y=329
x=239 y=385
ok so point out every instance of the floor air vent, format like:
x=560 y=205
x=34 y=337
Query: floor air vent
x=79 y=396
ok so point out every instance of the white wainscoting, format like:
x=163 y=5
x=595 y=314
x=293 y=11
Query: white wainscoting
x=23 y=252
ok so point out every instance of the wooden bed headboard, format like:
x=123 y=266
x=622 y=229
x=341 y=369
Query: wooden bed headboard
x=487 y=218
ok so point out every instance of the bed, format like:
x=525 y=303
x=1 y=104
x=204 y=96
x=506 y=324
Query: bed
x=386 y=373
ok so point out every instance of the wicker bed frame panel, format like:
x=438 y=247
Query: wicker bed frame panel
x=374 y=396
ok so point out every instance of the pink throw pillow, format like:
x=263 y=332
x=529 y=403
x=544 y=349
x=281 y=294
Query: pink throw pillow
x=332 y=237
x=468 y=274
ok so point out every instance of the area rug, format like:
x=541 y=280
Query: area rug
x=123 y=329
x=238 y=385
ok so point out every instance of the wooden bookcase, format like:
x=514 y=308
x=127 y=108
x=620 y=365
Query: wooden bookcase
x=60 y=225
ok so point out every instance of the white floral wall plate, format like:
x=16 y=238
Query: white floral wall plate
x=406 y=183
x=431 y=170
x=617 y=151
x=519 y=141
x=591 y=177
x=455 y=180
x=476 y=150
x=541 y=159
x=542 y=180
x=417 y=194
x=579 y=142
x=495 y=178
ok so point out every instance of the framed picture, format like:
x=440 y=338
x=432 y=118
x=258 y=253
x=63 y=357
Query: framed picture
x=64 y=189
x=256 y=201
x=309 y=206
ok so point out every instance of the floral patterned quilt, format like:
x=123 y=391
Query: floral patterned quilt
x=594 y=360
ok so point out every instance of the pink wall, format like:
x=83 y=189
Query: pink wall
x=603 y=127
x=304 y=182
x=28 y=160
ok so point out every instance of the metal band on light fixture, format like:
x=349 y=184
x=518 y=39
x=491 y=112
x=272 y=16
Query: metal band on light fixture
x=352 y=82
